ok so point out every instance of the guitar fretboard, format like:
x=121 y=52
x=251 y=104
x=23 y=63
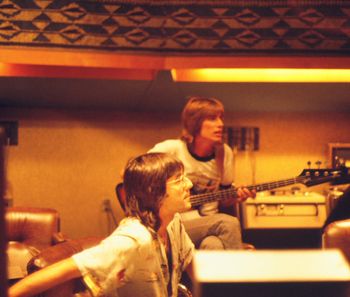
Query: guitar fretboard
x=200 y=199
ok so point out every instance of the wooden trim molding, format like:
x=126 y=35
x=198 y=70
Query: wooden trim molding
x=87 y=64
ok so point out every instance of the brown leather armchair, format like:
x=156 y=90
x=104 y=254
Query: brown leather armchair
x=28 y=231
x=337 y=235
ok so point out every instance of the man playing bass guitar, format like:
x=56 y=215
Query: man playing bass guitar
x=209 y=165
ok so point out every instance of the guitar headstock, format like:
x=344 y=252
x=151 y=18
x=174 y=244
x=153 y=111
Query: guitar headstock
x=312 y=177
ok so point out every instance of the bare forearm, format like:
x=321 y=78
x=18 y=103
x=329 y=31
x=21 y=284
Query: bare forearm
x=46 y=278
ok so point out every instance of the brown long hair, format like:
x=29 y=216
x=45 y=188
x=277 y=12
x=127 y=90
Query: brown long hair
x=145 y=180
x=195 y=112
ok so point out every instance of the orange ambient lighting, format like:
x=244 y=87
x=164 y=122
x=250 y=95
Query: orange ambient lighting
x=261 y=75
x=22 y=70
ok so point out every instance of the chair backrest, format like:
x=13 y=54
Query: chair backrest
x=337 y=235
x=120 y=192
x=32 y=226
x=28 y=230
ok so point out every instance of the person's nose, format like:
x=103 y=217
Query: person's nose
x=188 y=183
x=219 y=122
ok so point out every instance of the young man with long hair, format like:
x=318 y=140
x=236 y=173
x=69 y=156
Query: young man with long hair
x=209 y=164
x=149 y=250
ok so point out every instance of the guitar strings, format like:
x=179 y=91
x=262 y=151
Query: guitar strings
x=199 y=199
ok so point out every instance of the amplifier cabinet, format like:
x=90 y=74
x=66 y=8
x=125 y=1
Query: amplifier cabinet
x=307 y=210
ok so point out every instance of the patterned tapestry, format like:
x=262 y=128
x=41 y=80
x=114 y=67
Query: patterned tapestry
x=180 y=27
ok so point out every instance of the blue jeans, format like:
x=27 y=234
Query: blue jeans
x=215 y=232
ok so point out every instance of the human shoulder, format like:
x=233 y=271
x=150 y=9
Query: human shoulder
x=228 y=154
x=132 y=228
x=125 y=240
x=176 y=226
x=223 y=153
x=227 y=148
x=168 y=146
x=176 y=221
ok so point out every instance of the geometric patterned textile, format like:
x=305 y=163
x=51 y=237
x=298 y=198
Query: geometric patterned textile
x=181 y=27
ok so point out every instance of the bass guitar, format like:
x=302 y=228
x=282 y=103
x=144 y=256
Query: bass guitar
x=308 y=177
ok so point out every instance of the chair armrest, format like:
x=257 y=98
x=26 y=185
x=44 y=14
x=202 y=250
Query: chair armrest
x=18 y=255
x=60 y=251
x=58 y=237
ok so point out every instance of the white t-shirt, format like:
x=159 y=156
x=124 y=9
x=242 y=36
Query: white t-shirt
x=203 y=172
x=131 y=263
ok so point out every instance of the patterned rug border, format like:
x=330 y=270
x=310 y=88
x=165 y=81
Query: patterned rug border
x=240 y=3
x=214 y=28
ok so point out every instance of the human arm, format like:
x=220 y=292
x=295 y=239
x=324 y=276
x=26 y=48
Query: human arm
x=45 y=279
x=242 y=193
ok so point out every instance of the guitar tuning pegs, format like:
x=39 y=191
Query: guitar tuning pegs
x=318 y=163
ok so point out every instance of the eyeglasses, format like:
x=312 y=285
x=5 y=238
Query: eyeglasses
x=180 y=180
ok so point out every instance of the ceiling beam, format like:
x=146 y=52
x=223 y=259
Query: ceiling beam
x=89 y=64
